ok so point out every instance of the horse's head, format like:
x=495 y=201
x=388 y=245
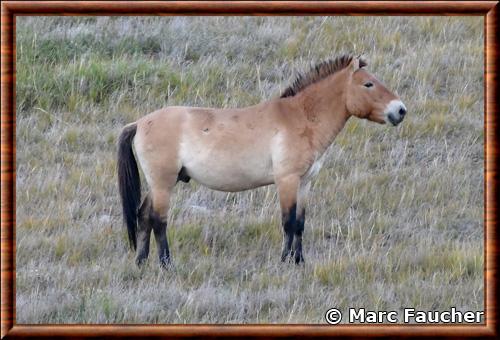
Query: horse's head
x=366 y=97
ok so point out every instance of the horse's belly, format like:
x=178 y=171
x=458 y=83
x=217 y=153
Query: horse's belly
x=223 y=171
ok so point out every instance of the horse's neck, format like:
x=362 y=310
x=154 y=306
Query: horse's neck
x=323 y=105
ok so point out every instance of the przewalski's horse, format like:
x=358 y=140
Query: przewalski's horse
x=280 y=141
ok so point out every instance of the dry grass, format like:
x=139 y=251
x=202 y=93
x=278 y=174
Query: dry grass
x=395 y=218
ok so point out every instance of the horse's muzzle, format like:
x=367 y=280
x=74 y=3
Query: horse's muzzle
x=396 y=115
x=395 y=112
x=393 y=120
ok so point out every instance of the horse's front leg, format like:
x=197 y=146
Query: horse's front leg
x=292 y=219
x=300 y=220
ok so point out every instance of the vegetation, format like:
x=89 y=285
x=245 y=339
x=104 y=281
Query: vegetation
x=395 y=218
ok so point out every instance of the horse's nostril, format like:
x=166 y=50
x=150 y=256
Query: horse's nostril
x=402 y=111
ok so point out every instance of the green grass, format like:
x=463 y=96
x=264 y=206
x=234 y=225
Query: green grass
x=395 y=217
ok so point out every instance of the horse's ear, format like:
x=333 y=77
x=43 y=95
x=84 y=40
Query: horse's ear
x=355 y=64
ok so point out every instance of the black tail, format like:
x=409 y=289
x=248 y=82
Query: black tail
x=129 y=181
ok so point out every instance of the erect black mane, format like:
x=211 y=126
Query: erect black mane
x=319 y=72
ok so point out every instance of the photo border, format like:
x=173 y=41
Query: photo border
x=11 y=9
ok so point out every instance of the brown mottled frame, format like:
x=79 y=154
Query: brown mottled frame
x=11 y=9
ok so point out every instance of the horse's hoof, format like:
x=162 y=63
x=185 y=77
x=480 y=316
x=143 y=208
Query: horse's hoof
x=140 y=261
x=285 y=257
x=165 y=263
x=299 y=259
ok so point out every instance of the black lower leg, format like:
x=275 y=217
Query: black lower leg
x=143 y=237
x=297 y=241
x=288 y=221
x=143 y=232
x=160 y=231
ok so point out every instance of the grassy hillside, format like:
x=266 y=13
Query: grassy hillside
x=395 y=218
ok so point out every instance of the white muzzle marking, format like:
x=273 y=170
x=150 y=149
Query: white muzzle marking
x=395 y=112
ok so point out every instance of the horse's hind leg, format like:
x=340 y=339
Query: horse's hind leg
x=153 y=217
x=156 y=145
x=158 y=218
x=143 y=231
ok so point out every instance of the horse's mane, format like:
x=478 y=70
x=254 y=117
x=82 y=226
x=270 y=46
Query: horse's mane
x=319 y=72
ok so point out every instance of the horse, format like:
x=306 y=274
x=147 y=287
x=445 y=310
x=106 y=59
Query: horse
x=281 y=141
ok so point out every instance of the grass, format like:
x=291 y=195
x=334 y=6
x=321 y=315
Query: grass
x=395 y=218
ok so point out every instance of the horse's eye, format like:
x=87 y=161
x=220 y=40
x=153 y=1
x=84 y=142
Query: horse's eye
x=368 y=84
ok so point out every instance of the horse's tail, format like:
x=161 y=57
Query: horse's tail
x=129 y=181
